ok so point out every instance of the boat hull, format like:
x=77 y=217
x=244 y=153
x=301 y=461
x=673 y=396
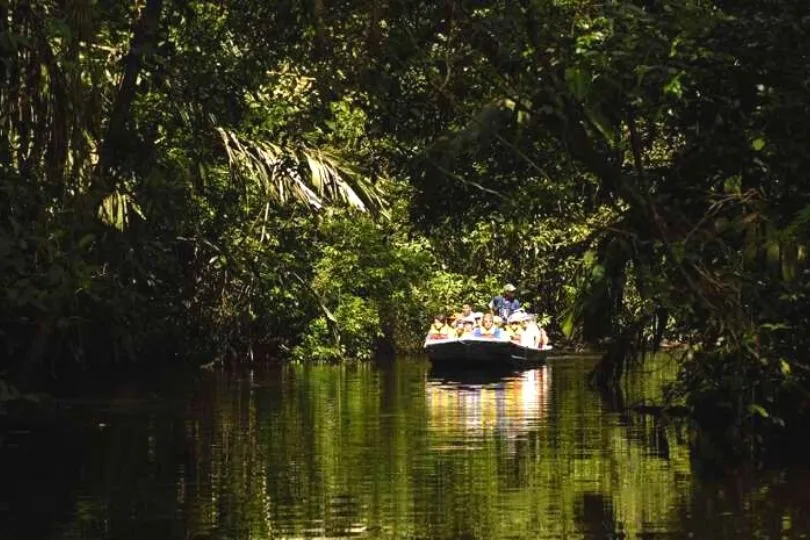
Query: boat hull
x=483 y=352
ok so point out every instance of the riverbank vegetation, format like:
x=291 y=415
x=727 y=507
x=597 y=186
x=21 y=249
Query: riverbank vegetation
x=192 y=181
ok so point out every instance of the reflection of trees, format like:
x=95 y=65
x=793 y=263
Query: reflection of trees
x=337 y=451
x=595 y=516
x=751 y=504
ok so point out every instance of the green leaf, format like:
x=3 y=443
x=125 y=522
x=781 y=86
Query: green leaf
x=758 y=410
x=758 y=144
x=568 y=325
x=674 y=87
x=86 y=240
x=732 y=184
x=578 y=81
x=678 y=252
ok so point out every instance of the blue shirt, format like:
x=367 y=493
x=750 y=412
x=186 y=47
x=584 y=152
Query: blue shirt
x=498 y=334
x=504 y=307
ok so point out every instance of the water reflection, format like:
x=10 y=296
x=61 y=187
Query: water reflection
x=391 y=452
x=510 y=406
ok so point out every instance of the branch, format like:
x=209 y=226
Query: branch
x=635 y=143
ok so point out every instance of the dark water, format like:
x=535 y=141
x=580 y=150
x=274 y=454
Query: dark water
x=380 y=452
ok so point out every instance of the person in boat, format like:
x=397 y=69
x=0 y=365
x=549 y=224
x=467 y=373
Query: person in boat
x=543 y=341
x=543 y=337
x=458 y=317
x=439 y=329
x=468 y=330
x=514 y=327
x=532 y=335
x=488 y=328
x=466 y=310
x=505 y=304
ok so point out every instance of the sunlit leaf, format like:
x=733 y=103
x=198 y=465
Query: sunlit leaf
x=674 y=87
x=114 y=210
x=568 y=325
x=758 y=410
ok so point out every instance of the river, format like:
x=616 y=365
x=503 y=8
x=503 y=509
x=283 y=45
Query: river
x=382 y=451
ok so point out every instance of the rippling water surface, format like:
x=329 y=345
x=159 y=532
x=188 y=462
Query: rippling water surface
x=394 y=451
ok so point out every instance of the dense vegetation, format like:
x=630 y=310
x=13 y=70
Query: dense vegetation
x=188 y=181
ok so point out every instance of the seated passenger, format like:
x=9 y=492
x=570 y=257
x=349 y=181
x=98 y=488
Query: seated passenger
x=514 y=327
x=468 y=328
x=514 y=330
x=532 y=335
x=488 y=328
x=439 y=329
x=458 y=318
x=466 y=310
x=543 y=337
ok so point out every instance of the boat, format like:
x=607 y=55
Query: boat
x=483 y=352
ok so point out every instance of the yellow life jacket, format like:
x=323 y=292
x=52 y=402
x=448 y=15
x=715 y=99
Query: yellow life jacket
x=445 y=332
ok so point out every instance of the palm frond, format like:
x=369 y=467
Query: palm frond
x=298 y=173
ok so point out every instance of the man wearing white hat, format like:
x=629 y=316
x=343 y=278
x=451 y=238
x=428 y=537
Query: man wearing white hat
x=532 y=335
x=506 y=304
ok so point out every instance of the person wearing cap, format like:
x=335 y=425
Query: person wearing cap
x=505 y=304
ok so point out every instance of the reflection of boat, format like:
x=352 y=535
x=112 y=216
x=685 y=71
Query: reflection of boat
x=483 y=352
x=511 y=407
x=457 y=372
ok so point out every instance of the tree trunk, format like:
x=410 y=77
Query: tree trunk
x=143 y=38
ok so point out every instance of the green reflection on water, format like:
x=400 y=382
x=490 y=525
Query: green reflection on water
x=340 y=451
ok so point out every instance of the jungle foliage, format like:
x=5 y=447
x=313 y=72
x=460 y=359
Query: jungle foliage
x=198 y=180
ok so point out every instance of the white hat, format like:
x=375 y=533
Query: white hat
x=518 y=316
x=509 y=288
